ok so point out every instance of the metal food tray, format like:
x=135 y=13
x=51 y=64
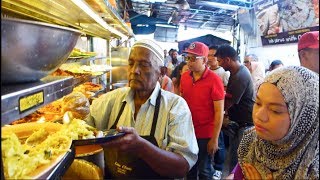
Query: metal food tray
x=86 y=78
x=62 y=167
x=19 y=100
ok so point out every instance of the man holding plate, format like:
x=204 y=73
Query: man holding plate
x=159 y=140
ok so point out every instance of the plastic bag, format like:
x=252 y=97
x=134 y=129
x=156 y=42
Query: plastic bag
x=77 y=104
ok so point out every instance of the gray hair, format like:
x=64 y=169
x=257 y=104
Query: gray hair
x=253 y=57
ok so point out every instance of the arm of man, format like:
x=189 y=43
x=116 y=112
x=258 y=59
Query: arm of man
x=236 y=89
x=227 y=102
x=218 y=118
x=178 y=150
x=163 y=162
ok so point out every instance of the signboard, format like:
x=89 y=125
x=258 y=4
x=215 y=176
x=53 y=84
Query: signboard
x=284 y=21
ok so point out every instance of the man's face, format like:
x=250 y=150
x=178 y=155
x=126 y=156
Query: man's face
x=223 y=63
x=143 y=71
x=310 y=59
x=247 y=62
x=212 y=60
x=195 y=63
x=175 y=55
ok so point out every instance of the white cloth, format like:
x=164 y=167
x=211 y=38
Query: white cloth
x=224 y=75
x=153 y=46
x=174 y=132
x=168 y=61
x=258 y=74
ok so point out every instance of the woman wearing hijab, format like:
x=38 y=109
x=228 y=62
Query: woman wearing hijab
x=284 y=143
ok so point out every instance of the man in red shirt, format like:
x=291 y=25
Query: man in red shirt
x=204 y=92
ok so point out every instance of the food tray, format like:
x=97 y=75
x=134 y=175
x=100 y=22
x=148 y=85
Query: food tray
x=110 y=135
x=63 y=166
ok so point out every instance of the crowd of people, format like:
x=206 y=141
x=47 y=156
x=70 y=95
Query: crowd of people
x=183 y=116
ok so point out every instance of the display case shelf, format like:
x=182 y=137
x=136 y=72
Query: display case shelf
x=19 y=100
x=81 y=59
x=93 y=17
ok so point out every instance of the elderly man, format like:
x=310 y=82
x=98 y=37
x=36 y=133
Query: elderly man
x=256 y=69
x=203 y=90
x=159 y=140
x=308 y=49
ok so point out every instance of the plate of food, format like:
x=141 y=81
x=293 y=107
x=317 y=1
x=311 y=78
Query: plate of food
x=101 y=137
x=30 y=150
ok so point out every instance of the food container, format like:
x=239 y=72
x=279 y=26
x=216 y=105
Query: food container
x=82 y=169
x=31 y=50
x=91 y=153
x=25 y=130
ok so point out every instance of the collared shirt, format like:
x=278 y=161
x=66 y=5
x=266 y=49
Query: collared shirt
x=200 y=95
x=174 y=130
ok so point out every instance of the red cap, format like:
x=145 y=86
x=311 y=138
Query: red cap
x=309 y=40
x=198 y=48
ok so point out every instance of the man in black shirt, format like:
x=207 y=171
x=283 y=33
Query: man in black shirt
x=239 y=97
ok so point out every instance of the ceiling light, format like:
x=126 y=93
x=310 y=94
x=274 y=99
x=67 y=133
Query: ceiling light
x=83 y=37
x=218 y=5
x=85 y=7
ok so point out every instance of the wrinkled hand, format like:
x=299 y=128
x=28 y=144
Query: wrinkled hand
x=212 y=147
x=250 y=172
x=131 y=142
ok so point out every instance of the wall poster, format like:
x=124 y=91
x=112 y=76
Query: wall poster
x=284 y=21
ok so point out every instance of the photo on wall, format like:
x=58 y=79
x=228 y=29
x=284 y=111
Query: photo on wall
x=284 y=21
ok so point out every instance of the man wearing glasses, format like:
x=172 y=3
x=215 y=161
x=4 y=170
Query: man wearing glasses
x=204 y=92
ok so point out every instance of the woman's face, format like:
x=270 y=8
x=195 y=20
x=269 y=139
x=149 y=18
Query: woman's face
x=270 y=113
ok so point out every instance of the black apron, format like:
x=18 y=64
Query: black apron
x=120 y=165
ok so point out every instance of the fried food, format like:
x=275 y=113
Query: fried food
x=21 y=160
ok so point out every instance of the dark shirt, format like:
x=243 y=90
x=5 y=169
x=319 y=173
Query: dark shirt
x=241 y=88
x=175 y=72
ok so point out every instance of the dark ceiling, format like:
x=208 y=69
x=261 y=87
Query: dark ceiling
x=217 y=15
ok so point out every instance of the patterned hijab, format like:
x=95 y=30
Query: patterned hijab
x=296 y=155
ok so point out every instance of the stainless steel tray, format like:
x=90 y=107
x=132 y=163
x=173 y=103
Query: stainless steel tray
x=20 y=100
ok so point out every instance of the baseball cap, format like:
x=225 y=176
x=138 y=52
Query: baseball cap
x=198 y=48
x=309 y=40
x=275 y=63
x=226 y=50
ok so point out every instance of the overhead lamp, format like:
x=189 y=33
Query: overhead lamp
x=85 y=7
x=218 y=5
x=83 y=38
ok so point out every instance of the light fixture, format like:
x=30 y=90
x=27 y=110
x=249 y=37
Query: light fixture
x=85 y=7
x=83 y=37
x=218 y=5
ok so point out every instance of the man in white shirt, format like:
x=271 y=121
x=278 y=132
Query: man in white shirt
x=159 y=140
x=256 y=68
